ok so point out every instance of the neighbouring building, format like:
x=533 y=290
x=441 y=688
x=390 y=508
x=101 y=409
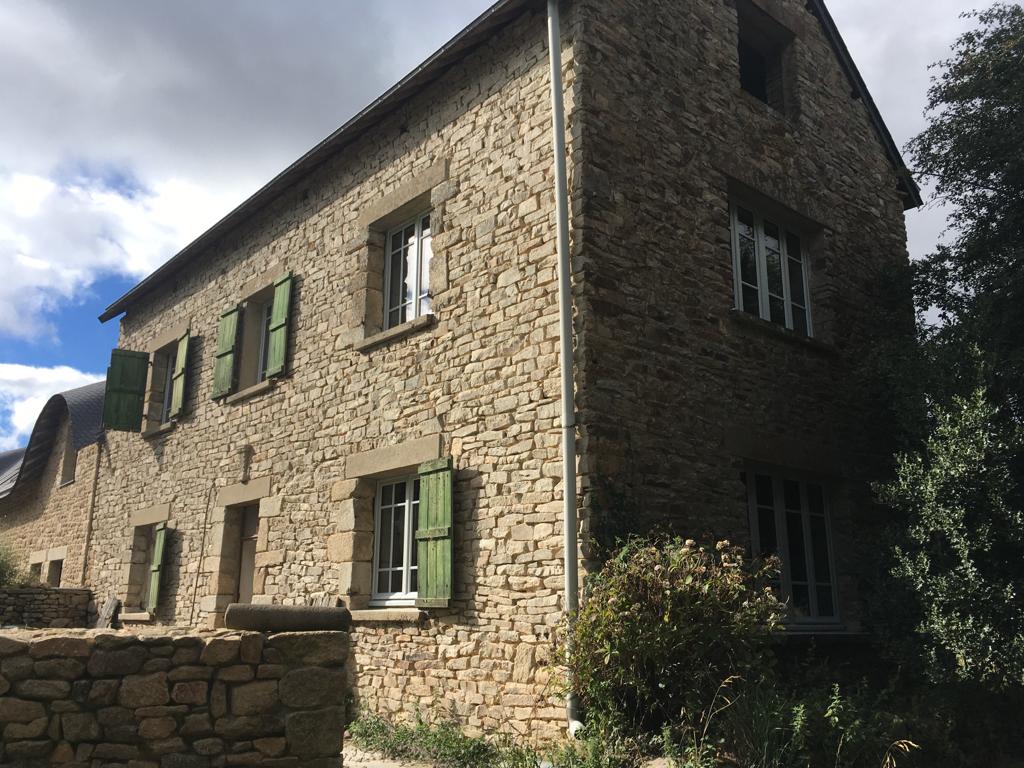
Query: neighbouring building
x=349 y=387
x=47 y=489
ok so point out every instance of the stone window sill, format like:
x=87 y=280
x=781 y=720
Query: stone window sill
x=256 y=389
x=135 y=616
x=783 y=116
x=747 y=321
x=388 y=615
x=838 y=633
x=394 y=334
x=162 y=429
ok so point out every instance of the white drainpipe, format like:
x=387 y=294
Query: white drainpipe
x=565 y=340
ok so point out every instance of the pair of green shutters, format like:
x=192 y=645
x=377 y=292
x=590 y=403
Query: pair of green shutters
x=434 y=535
x=125 y=397
x=225 y=367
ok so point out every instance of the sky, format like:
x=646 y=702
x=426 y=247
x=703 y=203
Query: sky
x=131 y=126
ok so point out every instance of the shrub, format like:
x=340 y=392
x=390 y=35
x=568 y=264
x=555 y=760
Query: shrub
x=662 y=625
x=959 y=554
x=10 y=570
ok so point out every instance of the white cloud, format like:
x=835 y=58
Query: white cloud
x=58 y=237
x=131 y=128
x=24 y=390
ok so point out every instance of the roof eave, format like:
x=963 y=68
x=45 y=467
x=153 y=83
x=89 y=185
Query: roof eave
x=491 y=19
x=488 y=21
x=907 y=186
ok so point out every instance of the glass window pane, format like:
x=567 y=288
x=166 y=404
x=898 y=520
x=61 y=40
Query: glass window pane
x=764 y=490
x=826 y=606
x=800 y=321
x=750 y=301
x=745 y=222
x=409 y=267
x=791 y=493
x=398 y=539
x=793 y=248
x=397 y=278
x=819 y=548
x=801 y=602
x=797 y=552
x=815 y=499
x=383 y=538
x=413 y=580
x=771 y=236
x=396 y=581
x=777 y=307
x=773 y=261
x=766 y=531
x=383 y=581
x=748 y=261
x=387 y=495
x=796 y=282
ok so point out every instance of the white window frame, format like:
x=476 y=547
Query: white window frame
x=764 y=310
x=778 y=476
x=406 y=596
x=420 y=293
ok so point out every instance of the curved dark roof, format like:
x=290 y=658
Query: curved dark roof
x=84 y=407
x=10 y=466
x=449 y=54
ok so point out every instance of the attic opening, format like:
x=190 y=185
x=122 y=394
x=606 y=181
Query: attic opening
x=762 y=48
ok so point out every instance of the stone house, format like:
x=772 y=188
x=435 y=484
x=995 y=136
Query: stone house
x=47 y=489
x=349 y=387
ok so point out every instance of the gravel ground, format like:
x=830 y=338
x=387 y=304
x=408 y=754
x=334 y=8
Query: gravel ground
x=356 y=758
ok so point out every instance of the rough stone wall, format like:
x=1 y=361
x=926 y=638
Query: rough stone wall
x=488 y=681
x=44 y=514
x=484 y=378
x=43 y=607
x=679 y=390
x=173 y=700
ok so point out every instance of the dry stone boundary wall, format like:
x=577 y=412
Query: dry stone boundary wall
x=44 y=607
x=96 y=698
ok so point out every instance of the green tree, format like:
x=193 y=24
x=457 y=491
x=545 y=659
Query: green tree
x=974 y=152
x=960 y=557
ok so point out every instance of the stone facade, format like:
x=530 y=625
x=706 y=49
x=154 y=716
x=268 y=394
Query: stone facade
x=479 y=384
x=41 y=607
x=678 y=394
x=172 y=700
x=47 y=519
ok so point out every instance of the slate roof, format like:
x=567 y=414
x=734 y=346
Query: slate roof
x=477 y=33
x=10 y=466
x=84 y=407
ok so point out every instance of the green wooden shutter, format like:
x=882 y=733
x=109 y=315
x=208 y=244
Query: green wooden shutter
x=126 y=390
x=178 y=378
x=159 y=539
x=434 y=535
x=277 y=341
x=227 y=340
